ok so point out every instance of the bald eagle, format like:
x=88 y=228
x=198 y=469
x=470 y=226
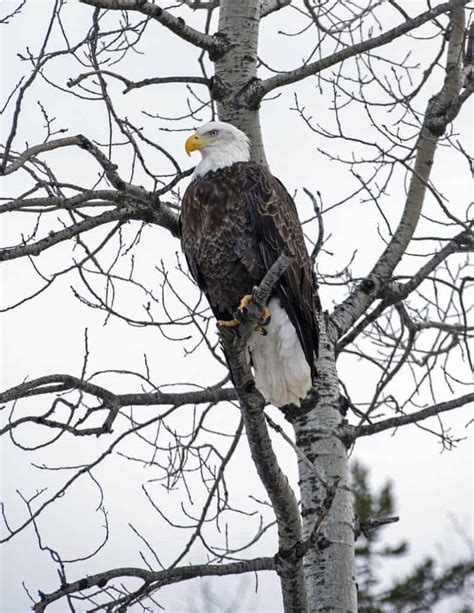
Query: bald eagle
x=236 y=219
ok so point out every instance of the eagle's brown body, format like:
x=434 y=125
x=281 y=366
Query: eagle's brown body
x=235 y=222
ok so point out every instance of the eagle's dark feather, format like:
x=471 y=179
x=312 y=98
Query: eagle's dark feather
x=235 y=222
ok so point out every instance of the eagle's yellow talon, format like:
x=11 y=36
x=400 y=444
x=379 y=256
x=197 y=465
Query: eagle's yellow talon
x=266 y=314
x=244 y=302
x=230 y=323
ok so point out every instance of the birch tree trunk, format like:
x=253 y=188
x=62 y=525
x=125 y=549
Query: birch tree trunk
x=236 y=70
x=330 y=572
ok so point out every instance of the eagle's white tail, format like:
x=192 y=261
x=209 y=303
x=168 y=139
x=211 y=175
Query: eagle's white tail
x=282 y=373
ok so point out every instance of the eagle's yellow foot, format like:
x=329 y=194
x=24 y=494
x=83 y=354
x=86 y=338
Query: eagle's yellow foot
x=266 y=315
x=229 y=323
x=244 y=302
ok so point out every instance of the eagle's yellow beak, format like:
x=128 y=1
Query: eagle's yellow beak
x=193 y=143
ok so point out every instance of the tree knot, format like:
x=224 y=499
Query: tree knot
x=250 y=95
x=287 y=559
x=367 y=286
x=219 y=88
x=221 y=46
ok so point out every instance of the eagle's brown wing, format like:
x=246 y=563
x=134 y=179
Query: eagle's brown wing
x=235 y=222
x=219 y=240
x=276 y=227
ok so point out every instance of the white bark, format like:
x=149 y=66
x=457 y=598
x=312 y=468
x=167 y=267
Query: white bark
x=236 y=70
x=330 y=574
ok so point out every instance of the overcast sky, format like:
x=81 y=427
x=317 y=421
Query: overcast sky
x=433 y=488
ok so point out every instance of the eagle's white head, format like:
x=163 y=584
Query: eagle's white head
x=220 y=144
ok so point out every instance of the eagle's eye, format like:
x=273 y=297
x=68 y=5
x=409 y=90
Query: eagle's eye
x=213 y=132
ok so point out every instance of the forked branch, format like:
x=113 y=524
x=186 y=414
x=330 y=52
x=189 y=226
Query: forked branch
x=215 y=45
x=353 y=432
x=312 y=68
x=61 y=383
x=274 y=480
x=396 y=292
x=437 y=117
x=153 y=580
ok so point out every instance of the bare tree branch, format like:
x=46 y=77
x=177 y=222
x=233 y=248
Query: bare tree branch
x=464 y=241
x=53 y=238
x=276 y=484
x=130 y=85
x=154 y=580
x=138 y=202
x=435 y=122
x=312 y=68
x=21 y=92
x=215 y=45
x=403 y=420
x=59 y=383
